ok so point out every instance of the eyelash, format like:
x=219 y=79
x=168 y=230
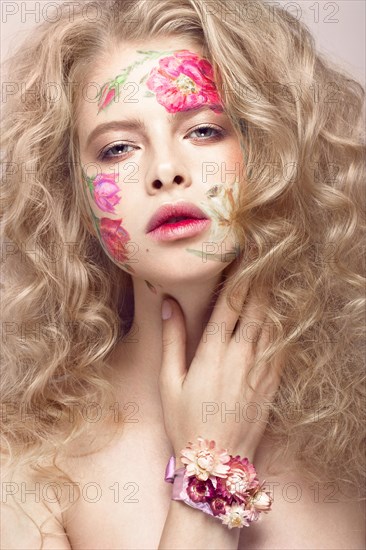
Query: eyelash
x=103 y=154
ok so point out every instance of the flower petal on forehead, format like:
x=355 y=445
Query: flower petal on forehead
x=197 y=69
x=157 y=81
x=191 y=64
x=185 y=53
x=206 y=68
x=171 y=65
x=192 y=70
x=194 y=100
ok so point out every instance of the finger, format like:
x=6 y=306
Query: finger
x=223 y=317
x=266 y=375
x=267 y=335
x=251 y=321
x=173 y=366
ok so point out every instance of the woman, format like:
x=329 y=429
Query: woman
x=113 y=202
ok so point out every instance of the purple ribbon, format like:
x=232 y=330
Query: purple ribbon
x=176 y=477
x=170 y=470
x=180 y=482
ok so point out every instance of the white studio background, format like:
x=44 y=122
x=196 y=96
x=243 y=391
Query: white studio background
x=338 y=26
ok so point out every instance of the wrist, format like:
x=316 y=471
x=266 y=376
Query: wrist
x=178 y=461
x=217 y=483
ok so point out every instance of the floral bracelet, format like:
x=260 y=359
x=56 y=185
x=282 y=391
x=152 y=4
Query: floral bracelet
x=218 y=484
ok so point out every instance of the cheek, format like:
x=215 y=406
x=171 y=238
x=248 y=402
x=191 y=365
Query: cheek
x=234 y=165
x=114 y=238
x=116 y=241
x=104 y=192
x=220 y=206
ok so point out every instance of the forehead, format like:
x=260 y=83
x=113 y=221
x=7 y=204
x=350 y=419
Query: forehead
x=129 y=73
x=151 y=78
x=126 y=53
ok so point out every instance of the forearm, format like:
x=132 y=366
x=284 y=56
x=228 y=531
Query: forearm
x=187 y=528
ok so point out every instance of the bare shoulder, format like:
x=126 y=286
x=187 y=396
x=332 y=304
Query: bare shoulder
x=27 y=508
x=307 y=516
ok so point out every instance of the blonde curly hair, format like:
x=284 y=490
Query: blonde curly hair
x=65 y=304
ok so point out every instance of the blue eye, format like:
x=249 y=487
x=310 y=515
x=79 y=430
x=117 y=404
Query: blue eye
x=108 y=153
x=218 y=132
x=105 y=154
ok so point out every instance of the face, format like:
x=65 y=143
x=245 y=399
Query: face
x=156 y=148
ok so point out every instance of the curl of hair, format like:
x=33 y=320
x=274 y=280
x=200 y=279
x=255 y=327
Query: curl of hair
x=299 y=222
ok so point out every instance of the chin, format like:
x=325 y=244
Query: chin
x=181 y=272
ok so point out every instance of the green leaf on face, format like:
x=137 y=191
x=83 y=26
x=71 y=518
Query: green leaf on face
x=89 y=182
x=95 y=221
x=129 y=268
x=144 y=78
x=151 y=287
x=121 y=78
x=154 y=52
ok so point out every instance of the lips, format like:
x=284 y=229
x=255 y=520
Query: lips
x=168 y=213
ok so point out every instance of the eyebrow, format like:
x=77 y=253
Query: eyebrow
x=136 y=123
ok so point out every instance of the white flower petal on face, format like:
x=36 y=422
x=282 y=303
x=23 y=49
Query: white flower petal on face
x=219 y=207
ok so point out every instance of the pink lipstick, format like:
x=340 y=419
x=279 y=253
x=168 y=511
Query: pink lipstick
x=177 y=221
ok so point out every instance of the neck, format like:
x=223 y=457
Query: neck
x=196 y=301
x=138 y=357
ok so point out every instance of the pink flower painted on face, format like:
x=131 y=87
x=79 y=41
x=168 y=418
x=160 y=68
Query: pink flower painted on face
x=105 y=191
x=115 y=238
x=107 y=95
x=184 y=81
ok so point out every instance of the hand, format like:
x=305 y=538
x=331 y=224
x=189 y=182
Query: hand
x=217 y=376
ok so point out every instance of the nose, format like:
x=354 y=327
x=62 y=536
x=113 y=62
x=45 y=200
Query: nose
x=167 y=169
x=166 y=181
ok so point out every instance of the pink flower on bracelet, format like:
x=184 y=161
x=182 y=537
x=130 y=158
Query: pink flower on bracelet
x=219 y=484
x=203 y=459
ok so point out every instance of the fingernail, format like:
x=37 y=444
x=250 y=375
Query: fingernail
x=166 y=310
